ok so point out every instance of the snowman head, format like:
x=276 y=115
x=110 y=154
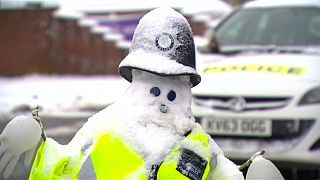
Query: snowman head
x=161 y=101
x=161 y=66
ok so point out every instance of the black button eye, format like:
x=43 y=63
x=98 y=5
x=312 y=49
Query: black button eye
x=155 y=91
x=171 y=96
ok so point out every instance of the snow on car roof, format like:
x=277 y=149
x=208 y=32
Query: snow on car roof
x=278 y=3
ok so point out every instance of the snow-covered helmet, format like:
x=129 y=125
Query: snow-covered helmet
x=162 y=44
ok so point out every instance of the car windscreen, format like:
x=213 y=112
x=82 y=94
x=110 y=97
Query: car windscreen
x=281 y=26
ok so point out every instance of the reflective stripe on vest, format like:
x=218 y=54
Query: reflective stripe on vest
x=112 y=159
x=53 y=161
x=87 y=171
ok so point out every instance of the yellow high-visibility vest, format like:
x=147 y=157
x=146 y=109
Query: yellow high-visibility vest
x=112 y=158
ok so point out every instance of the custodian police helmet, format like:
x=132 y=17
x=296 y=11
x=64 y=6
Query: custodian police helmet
x=162 y=44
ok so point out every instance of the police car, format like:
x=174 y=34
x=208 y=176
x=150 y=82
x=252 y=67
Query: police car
x=260 y=84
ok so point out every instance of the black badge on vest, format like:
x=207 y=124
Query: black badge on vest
x=191 y=165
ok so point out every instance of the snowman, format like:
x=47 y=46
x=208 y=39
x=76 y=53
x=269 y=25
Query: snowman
x=149 y=133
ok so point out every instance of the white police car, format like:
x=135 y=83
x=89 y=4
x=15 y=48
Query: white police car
x=260 y=84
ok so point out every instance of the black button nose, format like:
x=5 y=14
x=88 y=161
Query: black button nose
x=163 y=108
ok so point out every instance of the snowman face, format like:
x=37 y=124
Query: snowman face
x=164 y=101
x=171 y=96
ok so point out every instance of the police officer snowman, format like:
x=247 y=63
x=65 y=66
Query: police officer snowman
x=149 y=133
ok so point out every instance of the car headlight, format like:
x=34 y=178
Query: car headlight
x=311 y=97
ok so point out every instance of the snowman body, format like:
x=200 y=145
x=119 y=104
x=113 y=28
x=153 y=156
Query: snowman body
x=151 y=118
x=139 y=117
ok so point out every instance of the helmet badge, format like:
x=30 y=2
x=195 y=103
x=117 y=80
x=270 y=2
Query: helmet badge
x=164 y=41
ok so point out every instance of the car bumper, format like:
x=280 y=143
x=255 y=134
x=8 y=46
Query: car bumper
x=302 y=147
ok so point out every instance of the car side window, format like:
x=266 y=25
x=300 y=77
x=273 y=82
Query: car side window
x=238 y=29
x=314 y=26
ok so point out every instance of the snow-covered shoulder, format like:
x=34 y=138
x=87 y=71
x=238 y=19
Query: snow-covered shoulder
x=226 y=169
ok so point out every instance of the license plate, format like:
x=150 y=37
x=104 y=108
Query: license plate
x=237 y=127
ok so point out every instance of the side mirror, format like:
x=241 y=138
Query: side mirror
x=212 y=46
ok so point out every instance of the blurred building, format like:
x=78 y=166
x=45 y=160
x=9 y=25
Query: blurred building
x=25 y=40
x=79 y=38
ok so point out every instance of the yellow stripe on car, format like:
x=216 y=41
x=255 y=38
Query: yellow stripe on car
x=277 y=69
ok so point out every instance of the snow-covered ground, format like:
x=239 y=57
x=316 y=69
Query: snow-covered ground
x=65 y=101
x=59 y=94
